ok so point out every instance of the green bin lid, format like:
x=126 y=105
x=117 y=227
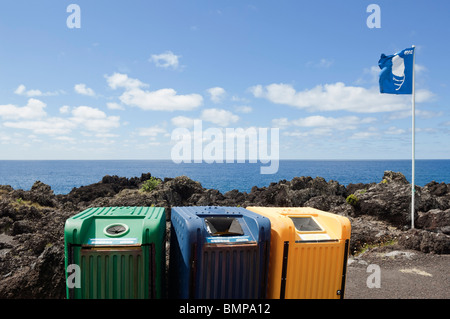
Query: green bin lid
x=115 y=226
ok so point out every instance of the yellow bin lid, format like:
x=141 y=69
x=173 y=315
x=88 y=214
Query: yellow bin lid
x=305 y=223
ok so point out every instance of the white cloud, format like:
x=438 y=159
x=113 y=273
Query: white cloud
x=235 y=98
x=4 y=139
x=419 y=68
x=325 y=126
x=33 y=117
x=419 y=113
x=33 y=110
x=426 y=130
x=216 y=116
x=394 y=131
x=50 y=126
x=423 y=96
x=183 y=121
x=165 y=60
x=120 y=80
x=65 y=139
x=427 y=114
x=219 y=117
x=322 y=131
x=161 y=100
x=83 y=90
x=244 y=109
x=336 y=123
x=64 y=109
x=217 y=94
x=87 y=112
x=106 y=135
x=281 y=122
x=370 y=76
x=364 y=135
x=152 y=131
x=322 y=63
x=339 y=123
x=337 y=97
x=114 y=106
x=22 y=90
x=94 y=119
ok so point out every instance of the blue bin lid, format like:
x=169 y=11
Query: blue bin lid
x=222 y=224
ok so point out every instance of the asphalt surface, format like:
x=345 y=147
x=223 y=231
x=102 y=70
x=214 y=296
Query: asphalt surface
x=398 y=275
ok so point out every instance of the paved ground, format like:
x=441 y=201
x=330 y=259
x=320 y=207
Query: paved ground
x=401 y=275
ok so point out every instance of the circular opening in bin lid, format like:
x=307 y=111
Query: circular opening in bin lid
x=116 y=229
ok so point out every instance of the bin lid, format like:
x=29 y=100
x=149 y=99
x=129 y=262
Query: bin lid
x=308 y=223
x=222 y=224
x=114 y=226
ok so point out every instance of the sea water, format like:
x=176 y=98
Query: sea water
x=64 y=175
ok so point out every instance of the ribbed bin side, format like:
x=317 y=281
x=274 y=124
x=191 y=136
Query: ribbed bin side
x=114 y=273
x=315 y=271
x=230 y=272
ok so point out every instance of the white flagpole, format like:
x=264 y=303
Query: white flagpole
x=413 y=189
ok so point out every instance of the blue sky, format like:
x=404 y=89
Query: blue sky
x=117 y=87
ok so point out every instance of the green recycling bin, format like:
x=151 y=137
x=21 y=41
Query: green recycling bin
x=115 y=253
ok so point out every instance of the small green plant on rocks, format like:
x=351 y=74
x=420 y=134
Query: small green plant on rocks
x=150 y=184
x=352 y=199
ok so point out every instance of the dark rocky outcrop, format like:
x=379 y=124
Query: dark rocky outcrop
x=32 y=222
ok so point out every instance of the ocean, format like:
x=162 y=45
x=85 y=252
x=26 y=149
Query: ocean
x=64 y=175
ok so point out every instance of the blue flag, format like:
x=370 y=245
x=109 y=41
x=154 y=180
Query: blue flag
x=396 y=76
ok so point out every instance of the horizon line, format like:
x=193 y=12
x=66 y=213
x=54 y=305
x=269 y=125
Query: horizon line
x=235 y=160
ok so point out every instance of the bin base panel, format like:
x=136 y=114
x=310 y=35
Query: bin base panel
x=316 y=271
x=116 y=273
x=230 y=273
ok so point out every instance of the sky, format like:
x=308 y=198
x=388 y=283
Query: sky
x=119 y=83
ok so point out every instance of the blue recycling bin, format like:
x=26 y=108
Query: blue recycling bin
x=218 y=253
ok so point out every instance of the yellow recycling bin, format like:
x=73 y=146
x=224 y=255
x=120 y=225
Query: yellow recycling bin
x=308 y=253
